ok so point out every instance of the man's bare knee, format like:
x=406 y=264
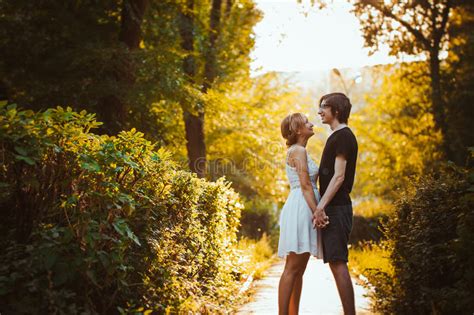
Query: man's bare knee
x=338 y=266
x=337 y=263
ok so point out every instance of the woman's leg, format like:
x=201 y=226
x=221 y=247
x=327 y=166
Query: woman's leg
x=296 y=293
x=294 y=267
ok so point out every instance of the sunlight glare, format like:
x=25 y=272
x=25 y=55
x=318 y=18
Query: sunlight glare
x=300 y=37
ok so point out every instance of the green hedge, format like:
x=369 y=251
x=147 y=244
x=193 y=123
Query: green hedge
x=100 y=224
x=431 y=237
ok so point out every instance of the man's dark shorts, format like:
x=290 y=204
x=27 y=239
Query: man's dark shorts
x=336 y=233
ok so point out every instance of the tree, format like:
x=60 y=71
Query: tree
x=459 y=79
x=58 y=53
x=193 y=117
x=411 y=27
x=114 y=58
x=398 y=140
x=114 y=110
x=208 y=42
x=245 y=145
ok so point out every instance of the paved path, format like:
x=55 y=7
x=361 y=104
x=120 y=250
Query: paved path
x=319 y=294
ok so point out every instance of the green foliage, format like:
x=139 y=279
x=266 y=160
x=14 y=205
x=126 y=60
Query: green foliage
x=243 y=133
x=259 y=218
x=430 y=239
x=459 y=80
x=49 y=46
x=398 y=140
x=244 y=144
x=99 y=224
x=72 y=54
x=244 y=139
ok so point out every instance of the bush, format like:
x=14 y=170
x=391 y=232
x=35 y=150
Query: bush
x=369 y=216
x=259 y=217
x=98 y=224
x=431 y=235
x=366 y=229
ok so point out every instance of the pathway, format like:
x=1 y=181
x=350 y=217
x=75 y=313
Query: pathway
x=319 y=294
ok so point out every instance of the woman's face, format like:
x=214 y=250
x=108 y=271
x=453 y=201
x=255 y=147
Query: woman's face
x=307 y=129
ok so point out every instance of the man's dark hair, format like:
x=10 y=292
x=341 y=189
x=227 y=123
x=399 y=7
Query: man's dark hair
x=340 y=105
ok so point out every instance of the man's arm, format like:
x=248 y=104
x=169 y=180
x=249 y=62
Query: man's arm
x=333 y=187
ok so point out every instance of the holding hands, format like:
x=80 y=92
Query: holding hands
x=320 y=219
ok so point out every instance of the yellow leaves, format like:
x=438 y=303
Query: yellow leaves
x=11 y=113
x=143 y=311
x=395 y=132
x=253 y=257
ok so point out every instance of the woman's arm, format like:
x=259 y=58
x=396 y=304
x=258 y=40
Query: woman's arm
x=299 y=160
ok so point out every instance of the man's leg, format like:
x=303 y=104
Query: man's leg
x=344 y=286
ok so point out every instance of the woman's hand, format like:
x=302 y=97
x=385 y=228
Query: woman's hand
x=320 y=219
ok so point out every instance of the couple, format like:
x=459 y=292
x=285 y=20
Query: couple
x=310 y=224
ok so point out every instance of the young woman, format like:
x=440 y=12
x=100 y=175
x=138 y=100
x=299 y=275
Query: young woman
x=298 y=239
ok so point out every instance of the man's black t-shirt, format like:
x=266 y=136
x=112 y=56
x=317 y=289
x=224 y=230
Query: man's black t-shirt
x=343 y=142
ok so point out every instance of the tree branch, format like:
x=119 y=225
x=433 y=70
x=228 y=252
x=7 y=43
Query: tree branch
x=439 y=32
x=388 y=13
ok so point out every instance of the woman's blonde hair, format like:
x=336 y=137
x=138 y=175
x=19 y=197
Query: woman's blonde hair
x=290 y=125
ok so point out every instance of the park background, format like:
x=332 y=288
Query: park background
x=143 y=168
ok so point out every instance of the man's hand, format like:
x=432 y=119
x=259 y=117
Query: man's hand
x=320 y=219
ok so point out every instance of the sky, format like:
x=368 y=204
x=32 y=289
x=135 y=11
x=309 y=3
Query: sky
x=299 y=37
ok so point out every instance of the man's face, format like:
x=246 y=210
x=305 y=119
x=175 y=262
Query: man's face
x=325 y=113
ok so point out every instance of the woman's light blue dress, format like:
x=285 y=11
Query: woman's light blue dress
x=296 y=228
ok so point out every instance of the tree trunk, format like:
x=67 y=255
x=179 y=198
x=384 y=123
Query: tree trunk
x=210 y=67
x=114 y=110
x=228 y=8
x=3 y=91
x=439 y=112
x=195 y=142
x=193 y=123
x=132 y=17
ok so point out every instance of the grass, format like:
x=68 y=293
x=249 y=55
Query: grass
x=255 y=256
x=369 y=256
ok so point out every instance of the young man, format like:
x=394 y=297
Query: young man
x=336 y=177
